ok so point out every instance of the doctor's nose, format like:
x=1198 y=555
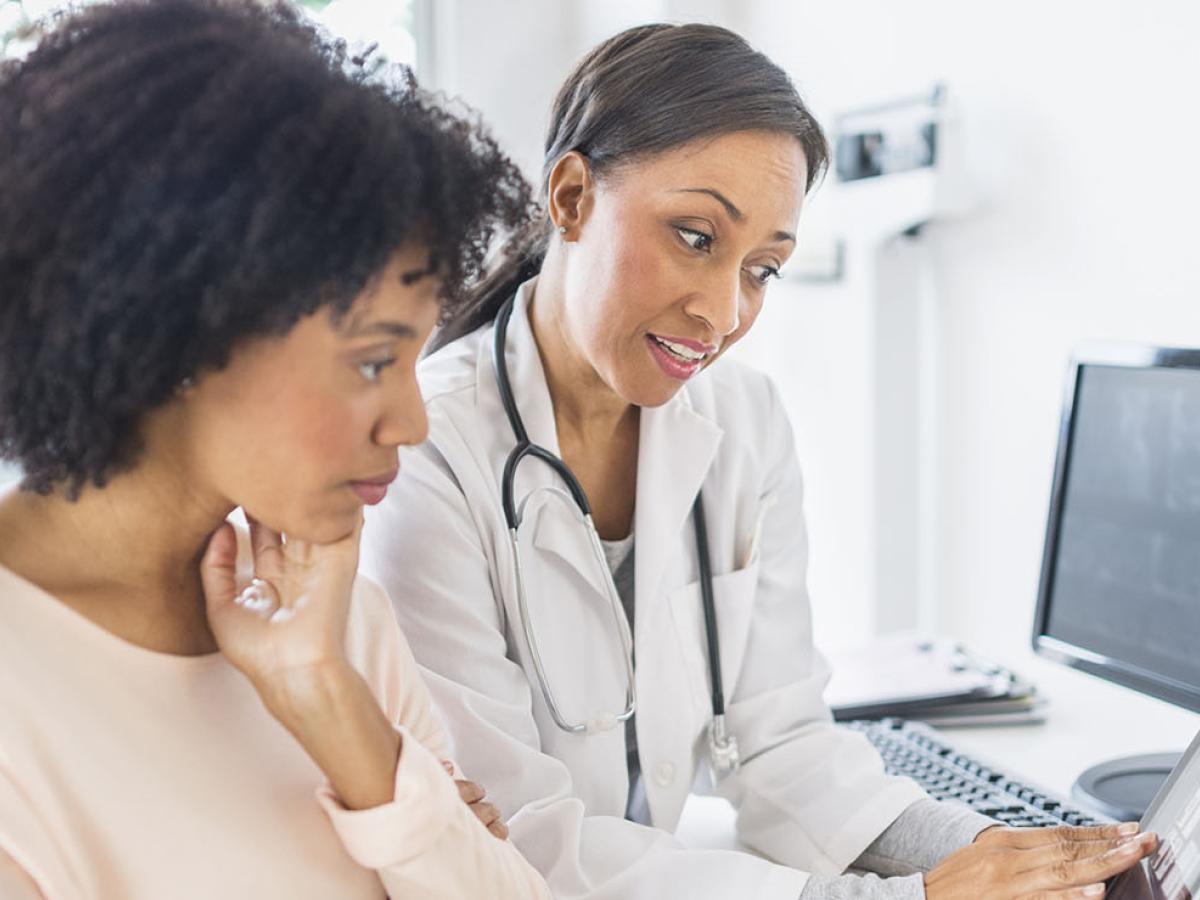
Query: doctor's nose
x=403 y=421
x=718 y=305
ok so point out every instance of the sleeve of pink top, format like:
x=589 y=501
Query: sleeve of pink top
x=31 y=866
x=427 y=842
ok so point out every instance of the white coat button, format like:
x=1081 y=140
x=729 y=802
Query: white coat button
x=664 y=774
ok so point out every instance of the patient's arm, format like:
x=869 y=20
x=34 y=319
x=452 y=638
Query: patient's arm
x=15 y=883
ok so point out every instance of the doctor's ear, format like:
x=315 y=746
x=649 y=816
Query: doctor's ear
x=569 y=191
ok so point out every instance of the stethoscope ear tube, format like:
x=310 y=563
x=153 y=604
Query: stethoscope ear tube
x=710 y=606
x=723 y=748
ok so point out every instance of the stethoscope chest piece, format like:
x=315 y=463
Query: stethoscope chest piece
x=723 y=753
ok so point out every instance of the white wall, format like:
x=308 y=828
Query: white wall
x=1079 y=132
x=1078 y=123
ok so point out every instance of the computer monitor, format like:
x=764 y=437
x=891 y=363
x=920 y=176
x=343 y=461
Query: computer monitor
x=1120 y=587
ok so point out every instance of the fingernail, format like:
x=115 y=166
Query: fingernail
x=1128 y=828
x=1093 y=890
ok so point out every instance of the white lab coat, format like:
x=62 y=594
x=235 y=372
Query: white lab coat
x=810 y=796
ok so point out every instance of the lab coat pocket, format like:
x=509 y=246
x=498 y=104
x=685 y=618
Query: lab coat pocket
x=733 y=599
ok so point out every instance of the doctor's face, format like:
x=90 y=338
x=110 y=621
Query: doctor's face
x=672 y=257
x=302 y=430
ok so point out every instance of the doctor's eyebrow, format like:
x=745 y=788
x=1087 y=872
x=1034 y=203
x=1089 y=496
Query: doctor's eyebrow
x=734 y=213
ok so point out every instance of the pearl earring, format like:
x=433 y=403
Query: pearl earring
x=562 y=229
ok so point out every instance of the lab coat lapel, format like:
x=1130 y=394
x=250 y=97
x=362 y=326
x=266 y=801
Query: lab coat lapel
x=676 y=449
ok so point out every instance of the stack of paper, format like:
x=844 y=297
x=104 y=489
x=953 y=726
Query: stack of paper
x=931 y=679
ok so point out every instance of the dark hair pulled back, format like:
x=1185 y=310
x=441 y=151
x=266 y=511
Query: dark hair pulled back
x=645 y=91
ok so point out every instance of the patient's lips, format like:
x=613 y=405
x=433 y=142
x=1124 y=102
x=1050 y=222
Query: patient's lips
x=372 y=490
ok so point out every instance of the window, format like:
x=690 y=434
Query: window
x=387 y=29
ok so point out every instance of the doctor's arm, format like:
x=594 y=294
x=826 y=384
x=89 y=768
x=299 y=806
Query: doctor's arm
x=432 y=556
x=813 y=795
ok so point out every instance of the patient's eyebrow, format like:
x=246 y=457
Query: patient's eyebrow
x=383 y=326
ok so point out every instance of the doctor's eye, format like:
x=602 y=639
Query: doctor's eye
x=372 y=371
x=697 y=240
x=763 y=274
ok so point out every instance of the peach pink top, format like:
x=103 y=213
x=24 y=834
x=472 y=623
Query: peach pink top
x=126 y=773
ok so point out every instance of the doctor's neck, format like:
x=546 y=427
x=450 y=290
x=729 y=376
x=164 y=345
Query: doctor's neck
x=583 y=401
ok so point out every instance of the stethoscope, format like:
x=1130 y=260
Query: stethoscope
x=722 y=745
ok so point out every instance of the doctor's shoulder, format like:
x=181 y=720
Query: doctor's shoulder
x=452 y=368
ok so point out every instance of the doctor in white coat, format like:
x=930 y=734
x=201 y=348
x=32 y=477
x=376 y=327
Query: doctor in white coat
x=677 y=162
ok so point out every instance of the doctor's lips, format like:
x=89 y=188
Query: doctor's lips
x=679 y=357
x=373 y=490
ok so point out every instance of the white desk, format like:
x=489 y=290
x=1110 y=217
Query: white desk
x=1088 y=721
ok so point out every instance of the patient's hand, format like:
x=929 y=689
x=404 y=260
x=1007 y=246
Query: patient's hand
x=1015 y=864
x=285 y=631
x=292 y=616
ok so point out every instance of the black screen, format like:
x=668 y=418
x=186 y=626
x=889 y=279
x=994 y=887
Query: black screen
x=1126 y=578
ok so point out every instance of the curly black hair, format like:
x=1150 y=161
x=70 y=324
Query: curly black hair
x=179 y=175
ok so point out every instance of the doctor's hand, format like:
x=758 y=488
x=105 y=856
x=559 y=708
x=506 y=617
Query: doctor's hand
x=476 y=799
x=1038 y=863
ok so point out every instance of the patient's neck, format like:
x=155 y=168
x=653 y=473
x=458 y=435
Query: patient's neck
x=125 y=556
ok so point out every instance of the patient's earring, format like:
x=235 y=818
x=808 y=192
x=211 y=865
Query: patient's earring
x=185 y=384
x=562 y=229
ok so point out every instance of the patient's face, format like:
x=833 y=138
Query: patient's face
x=302 y=430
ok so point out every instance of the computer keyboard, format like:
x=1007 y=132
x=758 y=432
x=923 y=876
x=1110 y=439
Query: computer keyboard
x=916 y=750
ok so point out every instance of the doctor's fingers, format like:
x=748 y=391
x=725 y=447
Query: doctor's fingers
x=1026 y=838
x=1070 y=851
x=487 y=813
x=1061 y=875
x=470 y=792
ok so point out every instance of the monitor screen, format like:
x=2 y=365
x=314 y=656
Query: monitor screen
x=1120 y=591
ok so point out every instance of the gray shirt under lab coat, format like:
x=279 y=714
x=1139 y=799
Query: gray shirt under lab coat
x=922 y=836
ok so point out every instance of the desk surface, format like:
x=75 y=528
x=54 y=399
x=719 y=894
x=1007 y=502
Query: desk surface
x=1088 y=720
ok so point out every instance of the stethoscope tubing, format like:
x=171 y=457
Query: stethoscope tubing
x=724 y=747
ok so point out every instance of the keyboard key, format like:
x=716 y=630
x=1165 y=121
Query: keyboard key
x=946 y=774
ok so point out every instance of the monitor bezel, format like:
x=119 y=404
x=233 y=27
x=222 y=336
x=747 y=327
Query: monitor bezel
x=1133 y=356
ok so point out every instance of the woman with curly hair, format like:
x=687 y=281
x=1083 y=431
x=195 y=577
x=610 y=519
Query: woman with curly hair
x=221 y=249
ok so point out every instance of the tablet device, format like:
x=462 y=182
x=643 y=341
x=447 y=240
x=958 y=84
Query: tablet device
x=1173 y=871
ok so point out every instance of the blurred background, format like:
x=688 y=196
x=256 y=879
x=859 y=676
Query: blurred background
x=921 y=339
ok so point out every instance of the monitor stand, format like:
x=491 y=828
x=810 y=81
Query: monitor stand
x=1123 y=788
